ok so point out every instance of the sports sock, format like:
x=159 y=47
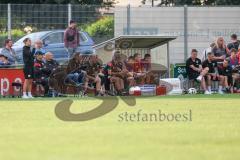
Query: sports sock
x=209 y=88
x=220 y=88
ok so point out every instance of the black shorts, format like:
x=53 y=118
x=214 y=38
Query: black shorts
x=193 y=76
x=28 y=72
x=230 y=80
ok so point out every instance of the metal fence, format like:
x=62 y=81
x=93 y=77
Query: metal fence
x=195 y=27
x=15 y=17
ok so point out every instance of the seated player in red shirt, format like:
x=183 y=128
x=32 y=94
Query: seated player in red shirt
x=146 y=65
x=129 y=63
x=139 y=73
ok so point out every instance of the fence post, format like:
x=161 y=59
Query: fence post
x=9 y=28
x=185 y=32
x=168 y=61
x=69 y=12
x=128 y=19
x=152 y=3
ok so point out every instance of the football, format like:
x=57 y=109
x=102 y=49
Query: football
x=192 y=91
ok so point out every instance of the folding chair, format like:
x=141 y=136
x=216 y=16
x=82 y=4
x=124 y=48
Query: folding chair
x=17 y=89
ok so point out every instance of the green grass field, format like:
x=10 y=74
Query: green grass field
x=29 y=130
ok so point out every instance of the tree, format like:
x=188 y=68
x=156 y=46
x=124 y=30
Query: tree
x=83 y=2
x=193 y=2
x=209 y=2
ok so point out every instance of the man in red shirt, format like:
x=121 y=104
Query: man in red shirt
x=146 y=65
x=71 y=39
x=139 y=73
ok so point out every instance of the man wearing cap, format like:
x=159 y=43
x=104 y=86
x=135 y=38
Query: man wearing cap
x=71 y=38
x=4 y=61
x=40 y=71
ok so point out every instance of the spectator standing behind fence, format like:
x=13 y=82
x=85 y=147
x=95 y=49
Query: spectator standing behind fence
x=71 y=39
x=220 y=50
x=28 y=60
x=9 y=52
x=235 y=42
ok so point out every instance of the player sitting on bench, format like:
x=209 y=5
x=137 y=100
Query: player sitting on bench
x=195 y=71
x=93 y=69
x=75 y=74
x=41 y=72
x=116 y=72
x=212 y=74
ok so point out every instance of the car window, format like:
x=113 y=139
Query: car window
x=83 y=38
x=54 y=38
x=32 y=36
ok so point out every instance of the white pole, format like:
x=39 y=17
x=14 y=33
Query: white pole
x=9 y=21
x=69 y=12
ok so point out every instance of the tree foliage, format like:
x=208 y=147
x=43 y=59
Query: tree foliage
x=83 y=2
x=102 y=27
x=193 y=2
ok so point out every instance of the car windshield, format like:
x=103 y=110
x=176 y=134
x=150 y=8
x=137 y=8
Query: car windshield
x=32 y=36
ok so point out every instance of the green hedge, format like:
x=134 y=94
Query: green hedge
x=102 y=27
x=16 y=34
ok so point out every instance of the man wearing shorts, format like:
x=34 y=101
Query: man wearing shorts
x=226 y=71
x=28 y=60
x=212 y=74
x=195 y=70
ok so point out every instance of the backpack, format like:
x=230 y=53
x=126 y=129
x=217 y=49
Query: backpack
x=70 y=38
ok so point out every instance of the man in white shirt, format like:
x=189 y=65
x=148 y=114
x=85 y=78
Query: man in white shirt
x=206 y=51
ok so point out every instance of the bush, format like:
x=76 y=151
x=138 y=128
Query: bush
x=16 y=34
x=102 y=27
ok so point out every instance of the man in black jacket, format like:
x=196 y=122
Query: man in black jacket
x=50 y=63
x=28 y=60
x=235 y=42
x=41 y=72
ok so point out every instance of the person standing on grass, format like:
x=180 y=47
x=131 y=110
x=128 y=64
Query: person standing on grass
x=71 y=39
x=28 y=60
